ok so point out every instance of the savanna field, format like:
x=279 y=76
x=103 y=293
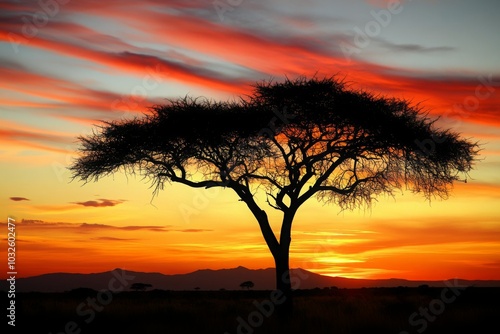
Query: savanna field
x=343 y=311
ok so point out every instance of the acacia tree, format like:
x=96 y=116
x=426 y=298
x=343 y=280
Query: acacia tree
x=291 y=141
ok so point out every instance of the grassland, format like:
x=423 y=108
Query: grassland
x=340 y=311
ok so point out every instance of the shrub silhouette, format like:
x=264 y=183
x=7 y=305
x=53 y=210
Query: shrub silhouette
x=140 y=286
x=247 y=284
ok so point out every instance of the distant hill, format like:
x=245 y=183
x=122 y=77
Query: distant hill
x=208 y=279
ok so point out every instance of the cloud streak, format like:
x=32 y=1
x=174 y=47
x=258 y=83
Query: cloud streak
x=100 y=203
x=112 y=239
x=18 y=199
x=393 y=47
x=153 y=228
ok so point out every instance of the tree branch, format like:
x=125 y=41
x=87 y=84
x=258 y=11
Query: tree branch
x=259 y=214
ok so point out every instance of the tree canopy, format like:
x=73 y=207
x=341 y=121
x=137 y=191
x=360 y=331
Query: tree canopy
x=299 y=138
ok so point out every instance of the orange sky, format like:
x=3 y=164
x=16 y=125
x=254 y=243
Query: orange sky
x=110 y=61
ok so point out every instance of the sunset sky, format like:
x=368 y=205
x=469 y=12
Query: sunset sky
x=66 y=65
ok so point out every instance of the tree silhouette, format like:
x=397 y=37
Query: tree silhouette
x=247 y=284
x=140 y=286
x=290 y=141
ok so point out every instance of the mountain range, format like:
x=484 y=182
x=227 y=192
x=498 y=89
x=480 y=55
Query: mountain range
x=207 y=279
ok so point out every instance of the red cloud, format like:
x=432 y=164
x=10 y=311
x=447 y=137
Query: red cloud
x=15 y=134
x=135 y=63
x=259 y=53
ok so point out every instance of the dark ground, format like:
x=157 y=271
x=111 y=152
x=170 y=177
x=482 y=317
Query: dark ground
x=374 y=310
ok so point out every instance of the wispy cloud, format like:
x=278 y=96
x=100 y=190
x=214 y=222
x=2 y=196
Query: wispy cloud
x=18 y=199
x=100 y=203
x=154 y=228
x=14 y=134
x=87 y=227
x=193 y=230
x=394 y=47
x=112 y=239
x=96 y=227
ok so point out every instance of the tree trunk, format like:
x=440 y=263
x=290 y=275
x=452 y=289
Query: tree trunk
x=280 y=251
x=281 y=259
x=283 y=284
